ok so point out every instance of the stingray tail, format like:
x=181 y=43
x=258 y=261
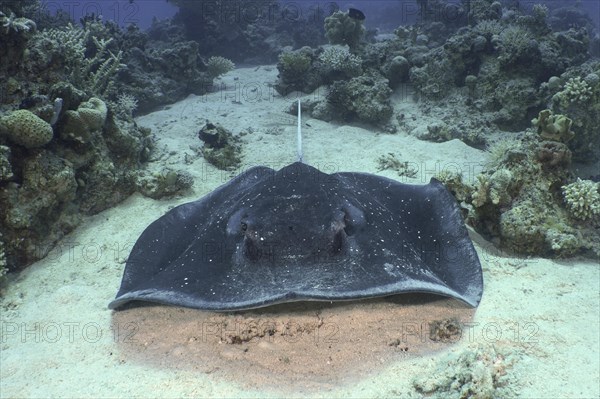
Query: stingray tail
x=299 y=149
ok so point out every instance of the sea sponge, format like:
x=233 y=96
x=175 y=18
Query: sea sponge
x=89 y=117
x=582 y=199
x=25 y=128
x=553 y=127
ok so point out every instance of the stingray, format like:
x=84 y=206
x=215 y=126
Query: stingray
x=299 y=234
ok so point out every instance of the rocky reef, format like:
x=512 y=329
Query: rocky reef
x=527 y=200
x=509 y=79
x=249 y=32
x=499 y=63
x=69 y=146
x=478 y=372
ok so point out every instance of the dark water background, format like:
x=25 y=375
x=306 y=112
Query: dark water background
x=383 y=14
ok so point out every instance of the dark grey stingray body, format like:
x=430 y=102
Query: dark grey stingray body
x=296 y=234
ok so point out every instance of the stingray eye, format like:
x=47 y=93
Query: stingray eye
x=353 y=220
x=244 y=226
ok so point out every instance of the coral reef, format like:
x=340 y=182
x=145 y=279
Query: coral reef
x=253 y=33
x=79 y=125
x=10 y=23
x=390 y=161
x=296 y=72
x=125 y=106
x=575 y=90
x=337 y=63
x=576 y=95
x=553 y=127
x=518 y=202
x=582 y=198
x=45 y=192
x=5 y=168
x=365 y=98
x=25 y=128
x=217 y=66
x=3 y=267
x=164 y=183
x=482 y=372
x=95 y=74
x=221 y=148
x=505 y=54
x=342 y=29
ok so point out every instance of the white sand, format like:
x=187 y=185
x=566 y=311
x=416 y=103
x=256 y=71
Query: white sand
x=57 y=336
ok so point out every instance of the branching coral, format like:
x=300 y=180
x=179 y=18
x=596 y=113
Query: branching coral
x=576 y=90
x=125 y=105
x=516 y=43
x=582 y=199
x=488 y=28
x=493 y=189
x=93 y=74
x=12 y=23
x=338 y=59
x=217 y=66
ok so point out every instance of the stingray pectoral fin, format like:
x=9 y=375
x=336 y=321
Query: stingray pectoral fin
x=168 y=238
x=417 y=236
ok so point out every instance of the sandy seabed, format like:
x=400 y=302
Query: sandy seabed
x=58 y=339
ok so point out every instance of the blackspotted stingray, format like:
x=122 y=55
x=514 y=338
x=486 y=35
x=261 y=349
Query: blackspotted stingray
x=298 y=234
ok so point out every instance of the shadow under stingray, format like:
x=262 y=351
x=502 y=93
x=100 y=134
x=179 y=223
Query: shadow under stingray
x=300 y=345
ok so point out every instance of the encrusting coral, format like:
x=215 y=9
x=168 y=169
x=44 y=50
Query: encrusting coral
x=25 y=128
x=582 y=199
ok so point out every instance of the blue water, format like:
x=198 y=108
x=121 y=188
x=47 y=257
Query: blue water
x=380 y=13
